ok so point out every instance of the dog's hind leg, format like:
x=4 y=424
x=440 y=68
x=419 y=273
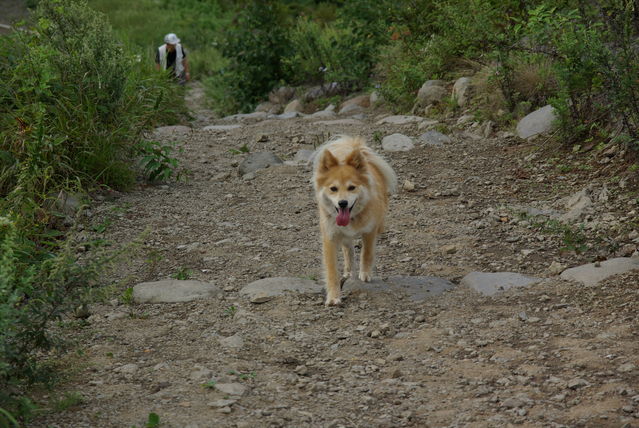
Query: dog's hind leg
x=333 y=291
x=368 y=257
x=349 y=260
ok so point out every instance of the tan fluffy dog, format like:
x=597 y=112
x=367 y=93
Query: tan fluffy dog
x=352 y=184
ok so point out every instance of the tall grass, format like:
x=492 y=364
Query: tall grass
x=74 y=105
x=199 y=25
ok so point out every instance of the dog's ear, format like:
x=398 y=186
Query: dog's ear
x=328 y=161
x=356 y=160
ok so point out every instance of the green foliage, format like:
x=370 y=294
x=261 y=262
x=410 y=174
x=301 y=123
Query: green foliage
x=153 y=421
x=243 y=149
x=254 y=47
x=230 y=311
x=36 y=288
x=69 y=400
x=158 y=162
x=329 y=53
x=199 y=24
x=73 y=107
x=182 y=274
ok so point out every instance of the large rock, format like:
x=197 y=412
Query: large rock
x=362 y=101
x=257 y=161
x=352 y=109
x=235 y=389
x=68 y=203
x=431 y=92
x=577 y=205
x=416 y=288
x=376 y=98
x=322 y=114
x=397 y=143
x=304 y=156
x=247 y=117
x=325 y=90
x=490 y=284
x=288 y=115
x=172 y=291
x=339 y=122
x=294 y=106
x=400 y=120
x=221 y=127
x=461 y=91
x=281 y=95
x=538 y=122
x=172 y=131
x=434 y=138
x=593 y=273
x=265 y=289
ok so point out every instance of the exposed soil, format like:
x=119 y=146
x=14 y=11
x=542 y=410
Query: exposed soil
x=12 y=11
x=553 y=354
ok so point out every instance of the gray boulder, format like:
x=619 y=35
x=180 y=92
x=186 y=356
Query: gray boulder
x=294 y=106
x=322 y=114
x=325 y=90
x=434 y=138
x=577 y=205
x=592 y=274
x=172 y=131
x=351 y=109
x=266 y=289
x=221 y=127
x=400 y=120
x=288 y=115
x=68 y=203
x=461 y=91
x=431 y=92
x=304 y=156
x=338 y=122
x=538 y=122
x=397 y=143
x=256 y=161
x=490 y=284
x=376 y=98
x=281 y=95
x=416 y=288
x=172 y=291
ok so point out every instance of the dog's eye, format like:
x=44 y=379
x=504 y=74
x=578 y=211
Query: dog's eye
x=333 y=189
x=351 y=188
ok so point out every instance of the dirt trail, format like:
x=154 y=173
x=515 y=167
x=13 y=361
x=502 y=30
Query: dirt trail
x=553 y=354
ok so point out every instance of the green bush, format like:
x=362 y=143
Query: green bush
x=73 y=106
x=36 y=288
x=254 y=47
x=328 y=53
x=199 y=24
x=596 y=63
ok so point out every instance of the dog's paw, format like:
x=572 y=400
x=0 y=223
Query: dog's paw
x=365 y=276
x=334 y=301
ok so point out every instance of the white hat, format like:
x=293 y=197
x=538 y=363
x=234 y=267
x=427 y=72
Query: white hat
x=171 y=39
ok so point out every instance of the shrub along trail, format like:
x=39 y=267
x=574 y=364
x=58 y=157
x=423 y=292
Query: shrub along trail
x=556 y=353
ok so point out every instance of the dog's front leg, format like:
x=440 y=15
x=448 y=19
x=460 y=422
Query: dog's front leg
x=349 y=260
x=368 y=257
x=333 y=292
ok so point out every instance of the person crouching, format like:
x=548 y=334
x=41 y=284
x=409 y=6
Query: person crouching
x=172 y=56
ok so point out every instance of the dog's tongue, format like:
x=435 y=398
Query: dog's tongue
x=343 y=216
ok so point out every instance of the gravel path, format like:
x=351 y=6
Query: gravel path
x=552 y=354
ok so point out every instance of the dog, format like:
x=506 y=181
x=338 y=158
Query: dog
x=352 y=185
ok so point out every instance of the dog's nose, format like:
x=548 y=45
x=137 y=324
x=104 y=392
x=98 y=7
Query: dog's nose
x=343 y=203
